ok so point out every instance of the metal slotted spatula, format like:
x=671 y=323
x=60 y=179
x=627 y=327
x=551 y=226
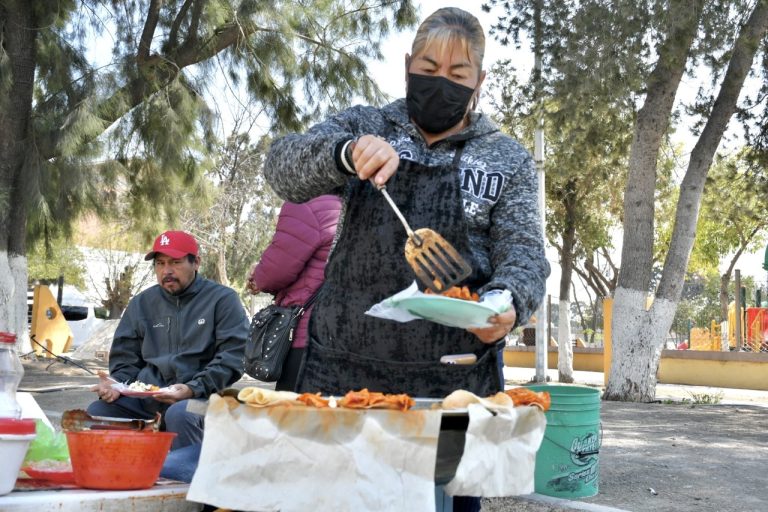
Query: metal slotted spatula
x=436 y=263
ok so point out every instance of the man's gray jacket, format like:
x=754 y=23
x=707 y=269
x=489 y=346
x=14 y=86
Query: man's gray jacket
x=196 y=338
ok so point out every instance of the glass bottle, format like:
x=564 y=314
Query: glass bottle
x=11 y=372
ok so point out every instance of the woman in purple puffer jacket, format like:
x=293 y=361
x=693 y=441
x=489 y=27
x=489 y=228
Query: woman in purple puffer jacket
x=292 y=267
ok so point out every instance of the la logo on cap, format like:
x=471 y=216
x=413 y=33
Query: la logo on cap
x=176 y=244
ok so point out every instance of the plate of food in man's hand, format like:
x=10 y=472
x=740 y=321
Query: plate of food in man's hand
x=138 y=389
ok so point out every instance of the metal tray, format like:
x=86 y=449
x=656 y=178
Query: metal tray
x=435 y=403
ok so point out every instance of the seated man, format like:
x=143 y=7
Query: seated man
x=186 y=334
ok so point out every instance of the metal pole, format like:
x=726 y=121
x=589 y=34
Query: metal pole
x=737 y=307
x=549 y=317
x=60 y=291
x=538 y=155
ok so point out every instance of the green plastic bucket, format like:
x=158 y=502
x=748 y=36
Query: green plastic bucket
x=567 y=461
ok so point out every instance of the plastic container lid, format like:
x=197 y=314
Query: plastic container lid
x=7 y=337
x=13 y=426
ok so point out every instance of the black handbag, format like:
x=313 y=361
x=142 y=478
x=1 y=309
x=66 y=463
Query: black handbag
x=270 y=338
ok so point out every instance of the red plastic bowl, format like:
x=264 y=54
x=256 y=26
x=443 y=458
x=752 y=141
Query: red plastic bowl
x=118 y=459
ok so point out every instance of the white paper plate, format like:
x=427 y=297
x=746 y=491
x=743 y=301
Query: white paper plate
x=448 y=311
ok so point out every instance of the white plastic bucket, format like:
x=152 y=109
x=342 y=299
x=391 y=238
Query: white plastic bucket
x=15 y=436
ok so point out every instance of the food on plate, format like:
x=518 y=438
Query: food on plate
x=365 y=399
x=313 y=400
x=259 y=397
x=525 y=396
x=457 y=292
x=142 y=386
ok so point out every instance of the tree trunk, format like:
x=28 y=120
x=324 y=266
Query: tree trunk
x=119 y=293
x=725 y=281
x=635 y=332
x=638 y=334
x=18 y=41
x=565 y=347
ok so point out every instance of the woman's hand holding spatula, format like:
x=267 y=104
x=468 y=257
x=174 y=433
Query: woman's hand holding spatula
x=373 y=158
x=433 y=259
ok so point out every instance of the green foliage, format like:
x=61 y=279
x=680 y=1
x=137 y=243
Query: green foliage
x=699 y=303
x=734 y=216
x=58 y=257
x=665 y=200
x=126 y=131
x=588 y=114
x=706 y=398
x=596 y=57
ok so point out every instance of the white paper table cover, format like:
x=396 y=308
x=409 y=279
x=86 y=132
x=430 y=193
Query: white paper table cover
x=299 y=459
x=499 y=452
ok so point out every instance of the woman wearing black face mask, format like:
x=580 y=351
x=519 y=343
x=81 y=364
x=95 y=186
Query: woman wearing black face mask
x=448 y=168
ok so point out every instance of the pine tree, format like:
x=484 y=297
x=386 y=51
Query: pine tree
x=77 y=133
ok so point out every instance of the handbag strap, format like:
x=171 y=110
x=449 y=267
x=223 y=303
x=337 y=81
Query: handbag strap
x=312 y=297
x=309 y=301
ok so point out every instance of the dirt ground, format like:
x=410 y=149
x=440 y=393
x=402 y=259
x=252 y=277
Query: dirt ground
x=704 y=458
x=666 y=456
x=673 y=457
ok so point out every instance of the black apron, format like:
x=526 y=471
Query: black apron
x=348 y=349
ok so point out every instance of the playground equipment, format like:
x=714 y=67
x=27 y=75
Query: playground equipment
x=702 y=338
x=757 y=329
x=755 y=322
x=48 y=325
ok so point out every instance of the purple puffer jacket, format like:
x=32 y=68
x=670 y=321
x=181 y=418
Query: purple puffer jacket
x=292 y=267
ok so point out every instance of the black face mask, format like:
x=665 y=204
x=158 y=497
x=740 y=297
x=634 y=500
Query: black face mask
x=435 y=103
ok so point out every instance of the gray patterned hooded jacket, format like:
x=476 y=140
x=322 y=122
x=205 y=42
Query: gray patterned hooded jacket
x=497 y=176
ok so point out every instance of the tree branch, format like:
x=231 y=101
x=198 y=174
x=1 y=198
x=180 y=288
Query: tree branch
x=603 y=284
x=194 y=24
x=145 y=43
x=692 y=186
x=173 y=35
x=156 y=73
x=650 y=127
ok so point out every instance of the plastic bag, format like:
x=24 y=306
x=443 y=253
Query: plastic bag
x=47 y=445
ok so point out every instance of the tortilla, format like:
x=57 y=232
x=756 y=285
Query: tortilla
x=460 y=399
x=260 y=397
x=502 y=399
